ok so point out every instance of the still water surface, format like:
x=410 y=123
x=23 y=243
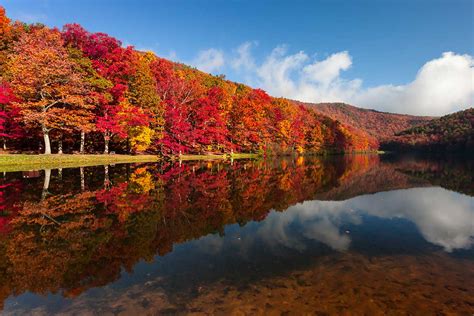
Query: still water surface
x=359 y=234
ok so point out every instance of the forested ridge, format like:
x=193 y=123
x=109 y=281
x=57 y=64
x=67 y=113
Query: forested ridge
x=75 y=91
x=381 y=125
x=453 y=132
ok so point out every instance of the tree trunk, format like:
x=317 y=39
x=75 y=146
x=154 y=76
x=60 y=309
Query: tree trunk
x=60 y=147
x=83 y=142
x=47 y=143
x=106 y=177
x=83 y=179
x=4 y=144
x=60 y=173
x=106 y=145
x=47 y=178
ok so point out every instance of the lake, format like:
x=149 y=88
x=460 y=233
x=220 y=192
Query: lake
x=321 y=235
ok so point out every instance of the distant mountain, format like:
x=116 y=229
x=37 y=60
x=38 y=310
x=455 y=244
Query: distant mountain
x=381 y=125
x=453 y=132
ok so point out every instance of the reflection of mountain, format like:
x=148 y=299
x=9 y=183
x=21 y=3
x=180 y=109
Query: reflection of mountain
x=78 y=233
x=452 y=173
x=381 y=177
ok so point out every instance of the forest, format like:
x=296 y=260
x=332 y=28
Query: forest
x=381 y=125
x=72 y=91
x=450 y=133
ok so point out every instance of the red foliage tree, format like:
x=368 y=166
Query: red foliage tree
x=9 y=127
x=209 y=129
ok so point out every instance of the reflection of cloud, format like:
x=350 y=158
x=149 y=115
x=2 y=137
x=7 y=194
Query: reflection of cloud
x=443 y=217
x=291 y=228
x=213 y=244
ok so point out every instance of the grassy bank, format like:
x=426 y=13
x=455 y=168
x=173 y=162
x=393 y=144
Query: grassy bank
x=34 y=162
x=20 y=162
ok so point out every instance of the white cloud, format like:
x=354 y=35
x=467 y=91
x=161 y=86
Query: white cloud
x=275 y=74
x=244 y=60
x=441 y=86
x=329 y=69
x=209 y=60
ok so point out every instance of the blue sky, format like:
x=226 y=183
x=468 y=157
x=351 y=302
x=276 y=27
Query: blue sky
x=386 y=43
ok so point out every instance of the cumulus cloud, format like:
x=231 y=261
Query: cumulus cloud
x=209 y=60
x=329 y=69
x=275 y=74
x=441 y=86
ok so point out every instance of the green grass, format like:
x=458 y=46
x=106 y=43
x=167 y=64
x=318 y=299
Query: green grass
x=21 y=162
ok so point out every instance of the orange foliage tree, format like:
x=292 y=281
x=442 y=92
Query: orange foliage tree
x=53 y=94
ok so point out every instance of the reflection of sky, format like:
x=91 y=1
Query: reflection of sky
x=443 y=218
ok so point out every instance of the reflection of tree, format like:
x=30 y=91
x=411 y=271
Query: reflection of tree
x=74 y=241
x=9 y=195
x=453 y=173
x=41 y=252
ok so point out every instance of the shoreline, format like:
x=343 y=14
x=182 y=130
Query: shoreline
x=216 y=157
x=27 y=162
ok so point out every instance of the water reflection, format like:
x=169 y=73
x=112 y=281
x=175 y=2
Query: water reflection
x=443 y=218
x=82 y=233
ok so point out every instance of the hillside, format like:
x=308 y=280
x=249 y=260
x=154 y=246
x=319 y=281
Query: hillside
x=381 y=125
x=453 y=132
x=93 y=94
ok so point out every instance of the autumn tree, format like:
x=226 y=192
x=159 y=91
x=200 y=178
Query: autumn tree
x=98 y=87
x=177 y=93
x=143 y=93
x=209 y=128
x=249 y=120
x=9 y=127
x=53 y=93
x=5 y=38
x=123 y=120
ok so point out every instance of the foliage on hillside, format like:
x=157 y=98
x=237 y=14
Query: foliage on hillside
x=381 y=125
x=73 y=90
x=454 y=132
